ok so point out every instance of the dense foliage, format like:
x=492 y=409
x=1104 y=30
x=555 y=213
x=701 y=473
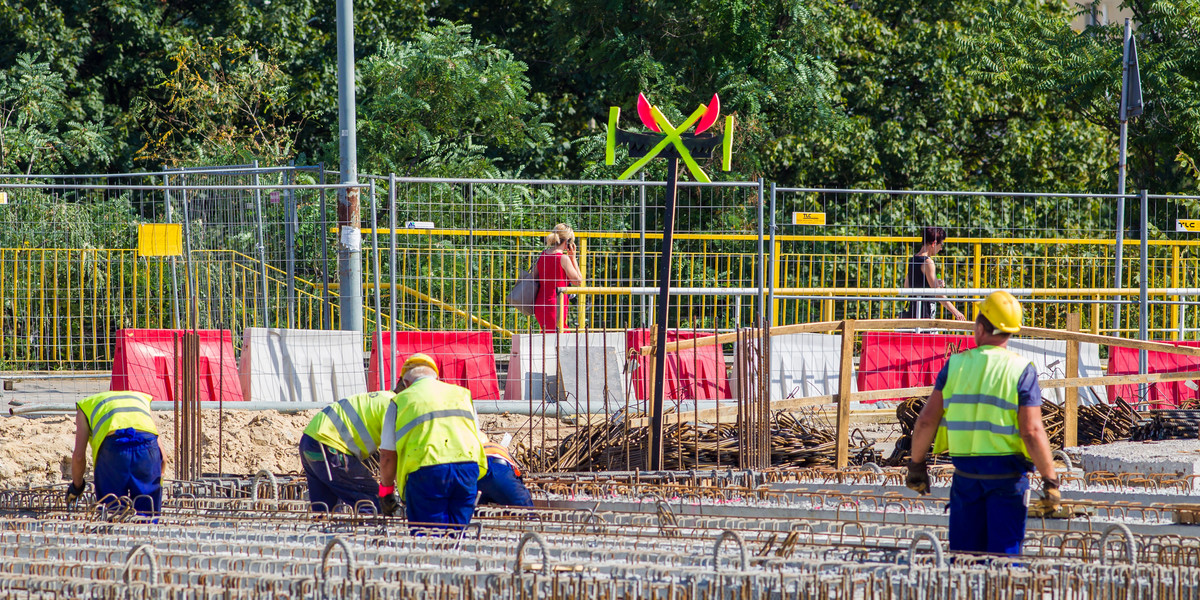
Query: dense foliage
x=969 y=94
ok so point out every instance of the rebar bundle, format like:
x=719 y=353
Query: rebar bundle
x=1169 y=425
x=755 y=447
x=613 y=445
x=189 y=454
x=1097 y=424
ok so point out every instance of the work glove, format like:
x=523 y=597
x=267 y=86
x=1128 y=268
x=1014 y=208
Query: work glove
x=917 y=479
x=389 y=504
x=73 y=493
x=1051 y=500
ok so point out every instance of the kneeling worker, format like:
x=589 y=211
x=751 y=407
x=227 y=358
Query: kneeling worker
x=335 y=446
x=128 y=462
x=986 y=409
x=502 y=484
x=431 y=451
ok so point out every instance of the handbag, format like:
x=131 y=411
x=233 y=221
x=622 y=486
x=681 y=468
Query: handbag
x=523 y=294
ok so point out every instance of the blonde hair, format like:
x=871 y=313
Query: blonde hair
x=561 y=233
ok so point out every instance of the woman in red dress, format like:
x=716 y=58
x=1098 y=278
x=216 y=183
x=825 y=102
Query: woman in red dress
x=556 y=268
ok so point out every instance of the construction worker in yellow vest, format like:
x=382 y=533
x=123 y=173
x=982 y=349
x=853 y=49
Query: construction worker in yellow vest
x=502 y=484
x=986 y=411
x=334 y=450
x=431 y=452
x=124 y=442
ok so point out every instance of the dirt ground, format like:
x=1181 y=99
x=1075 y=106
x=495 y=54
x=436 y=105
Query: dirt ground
x=36 y=452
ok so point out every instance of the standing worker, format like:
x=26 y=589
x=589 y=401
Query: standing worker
x=431 y=450
x=502 y=484
x=335 y=446
x=124 y=441
x=986 y=410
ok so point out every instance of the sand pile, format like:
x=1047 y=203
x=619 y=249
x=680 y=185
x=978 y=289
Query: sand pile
x=35 y=452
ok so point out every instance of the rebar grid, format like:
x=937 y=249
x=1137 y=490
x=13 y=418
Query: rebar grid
x=645 y=535
x=493 y=562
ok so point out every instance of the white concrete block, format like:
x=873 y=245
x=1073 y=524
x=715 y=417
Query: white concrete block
x=301 y=365
x=1050 y=359
x=805 y=364
x=1176 y=457
x=533 y=360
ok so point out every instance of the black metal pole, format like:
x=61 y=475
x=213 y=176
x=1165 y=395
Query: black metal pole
x=664 y=305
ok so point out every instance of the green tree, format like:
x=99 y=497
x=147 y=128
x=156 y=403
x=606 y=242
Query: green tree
x=227 y=104
x=445 y=104
x=37 y=130
x=1033 y=50
x=920 y=117
x=762 y=56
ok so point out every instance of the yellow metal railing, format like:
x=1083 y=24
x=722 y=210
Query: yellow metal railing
x=60 y=307
x=231 y=282
x=434 y=264
x=63 y=306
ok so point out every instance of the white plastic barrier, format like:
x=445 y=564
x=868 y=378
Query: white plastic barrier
x=807 y=364
x=533 y=362
x=1050 y=359
x=301 y=365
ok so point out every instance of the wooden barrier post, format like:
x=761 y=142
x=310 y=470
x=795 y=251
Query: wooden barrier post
x=1071 y=401
x=845 y=374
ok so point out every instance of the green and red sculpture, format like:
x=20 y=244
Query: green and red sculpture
x=672 y=143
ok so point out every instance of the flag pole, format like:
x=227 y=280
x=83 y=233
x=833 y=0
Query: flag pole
x=1121 y=175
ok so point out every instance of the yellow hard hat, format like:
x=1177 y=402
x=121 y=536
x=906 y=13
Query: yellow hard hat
x=1003 y=310
x=418 y=360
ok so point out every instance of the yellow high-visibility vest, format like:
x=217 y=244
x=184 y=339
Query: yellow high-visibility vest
x=351 y=425
x=107 y=412
x=980 y=403
x=435 y=425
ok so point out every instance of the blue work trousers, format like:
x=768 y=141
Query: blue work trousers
x=988 y=515
x=334 y=477
x=502 y=486
x=441 y=495
x=129 y=465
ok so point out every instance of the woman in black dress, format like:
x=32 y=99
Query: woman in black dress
x=922 y=273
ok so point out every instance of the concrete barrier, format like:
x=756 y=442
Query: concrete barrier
x=805 y=364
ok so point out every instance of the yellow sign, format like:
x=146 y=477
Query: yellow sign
x=3 y=197
x=1192 y=225
x=164 y=239
x=808 y=218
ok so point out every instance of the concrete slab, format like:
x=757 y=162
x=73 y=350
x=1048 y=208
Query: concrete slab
x=32 y=389
x=1175 y=457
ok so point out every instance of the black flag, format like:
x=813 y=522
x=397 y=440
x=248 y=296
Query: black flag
x=1133 y=84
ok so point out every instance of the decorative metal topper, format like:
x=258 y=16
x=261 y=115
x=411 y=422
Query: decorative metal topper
x=673 y=142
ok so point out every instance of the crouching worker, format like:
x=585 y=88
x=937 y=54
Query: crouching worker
x=334 y=450
x=124 y=441
x=503 y=484
x=431 y=453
